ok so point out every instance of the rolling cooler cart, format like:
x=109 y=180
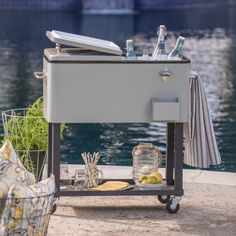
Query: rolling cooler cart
x=94 y=83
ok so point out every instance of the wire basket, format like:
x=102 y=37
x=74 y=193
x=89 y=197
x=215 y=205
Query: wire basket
x=26 y=216
x=27 y=133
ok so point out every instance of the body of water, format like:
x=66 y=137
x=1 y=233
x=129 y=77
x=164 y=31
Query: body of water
x=210 y=44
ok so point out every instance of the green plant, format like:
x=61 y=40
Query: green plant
x=28 y=130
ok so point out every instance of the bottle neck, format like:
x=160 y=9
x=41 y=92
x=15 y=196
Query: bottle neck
x=177 y=51
x=179 y=43
x=160 y=46
x=161 y=37
x=161 y=41
x=130 y=48
x=129 y=45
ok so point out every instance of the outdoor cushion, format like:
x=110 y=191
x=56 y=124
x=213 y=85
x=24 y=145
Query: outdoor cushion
x=12 y=172
x=27 y=212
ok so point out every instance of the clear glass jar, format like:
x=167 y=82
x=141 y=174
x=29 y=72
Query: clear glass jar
x=146 y=159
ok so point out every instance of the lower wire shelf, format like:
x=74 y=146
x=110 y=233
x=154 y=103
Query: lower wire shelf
x=164 y=190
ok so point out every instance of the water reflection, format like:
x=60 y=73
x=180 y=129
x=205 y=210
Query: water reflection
x=210 y=45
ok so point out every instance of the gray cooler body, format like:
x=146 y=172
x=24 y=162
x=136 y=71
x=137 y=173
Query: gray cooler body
x=82 y=88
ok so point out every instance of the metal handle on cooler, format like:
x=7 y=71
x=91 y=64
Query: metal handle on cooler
x=40 y=75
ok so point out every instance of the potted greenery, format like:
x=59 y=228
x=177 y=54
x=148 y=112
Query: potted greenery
x=27 y=129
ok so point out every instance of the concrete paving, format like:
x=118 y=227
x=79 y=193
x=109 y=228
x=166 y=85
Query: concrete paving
x=207 y=208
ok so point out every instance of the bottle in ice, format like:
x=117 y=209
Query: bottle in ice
x=160 y=51
x=130 y=49
x=176 y=53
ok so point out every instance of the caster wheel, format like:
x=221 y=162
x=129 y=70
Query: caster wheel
x=172 y=208
x=163 y=198
x=54 y=208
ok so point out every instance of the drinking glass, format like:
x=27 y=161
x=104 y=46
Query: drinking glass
x=93 y=176
x=64 y=175
x=79 y=179
x=146 y=53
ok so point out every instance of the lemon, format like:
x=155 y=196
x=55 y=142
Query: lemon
x=158 y=177
x=145 y=181
x=142 y=178
x=152 y=180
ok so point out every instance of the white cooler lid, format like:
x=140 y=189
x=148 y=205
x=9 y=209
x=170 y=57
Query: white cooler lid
x=85 y=42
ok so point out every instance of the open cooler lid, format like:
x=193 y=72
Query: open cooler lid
x=85 y=42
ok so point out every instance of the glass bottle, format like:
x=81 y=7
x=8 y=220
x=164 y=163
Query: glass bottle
x=160 y=50
x=130 y=49
x=146 y=160
x=176 y=53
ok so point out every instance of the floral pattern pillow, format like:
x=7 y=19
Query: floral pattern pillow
x=12 y=172
x=28 y=212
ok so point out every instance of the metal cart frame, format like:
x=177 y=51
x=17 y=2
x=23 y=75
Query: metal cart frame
x=170 y=193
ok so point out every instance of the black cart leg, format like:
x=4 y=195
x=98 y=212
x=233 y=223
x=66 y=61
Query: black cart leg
x=172 y=205
x=170 y=153
x=169 y=160
x=56 y=154
x=179 y=155
x=49 y=149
